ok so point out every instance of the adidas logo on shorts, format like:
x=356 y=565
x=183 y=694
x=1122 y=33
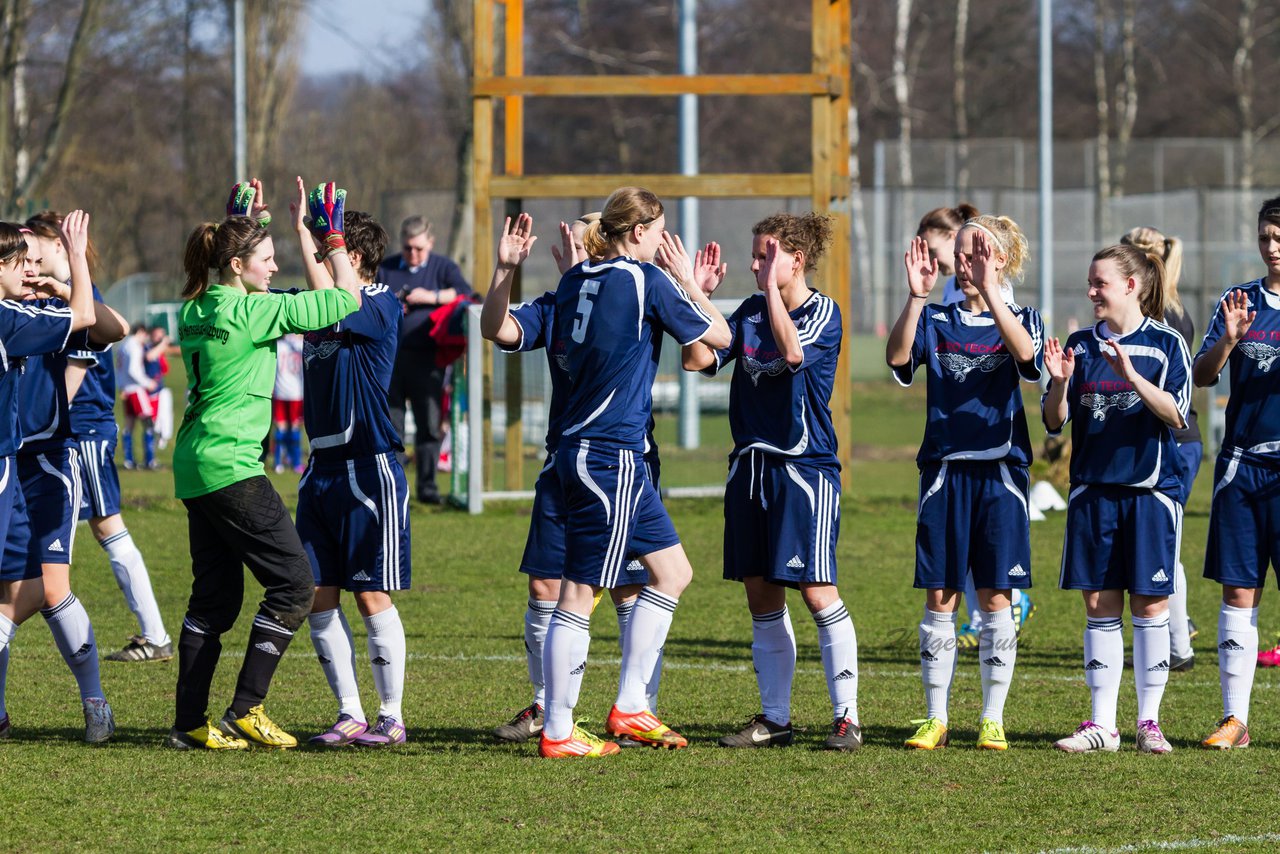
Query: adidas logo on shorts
x=1160 y=577
x=843 y=674
x=268 y=647
x=361 y=576
x=1162 y=667
x=56 y=546
x=1231 y=646
x=1094 y=664
x=1018 y=572
x=795 y=563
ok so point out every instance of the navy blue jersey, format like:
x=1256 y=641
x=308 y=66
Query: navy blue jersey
x=1253 y=411
x=774 y=407
x=346 y=372
x=27 y=329
x=537 y=323
x=975 y=404
x=93 y=409
x=609 y=319
x=1115 y=438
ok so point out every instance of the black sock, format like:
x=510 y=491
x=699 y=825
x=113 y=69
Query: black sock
x=197 y=659
x=266 y=648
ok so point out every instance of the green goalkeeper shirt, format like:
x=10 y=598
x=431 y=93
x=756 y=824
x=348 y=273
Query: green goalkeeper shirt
x=228 y=343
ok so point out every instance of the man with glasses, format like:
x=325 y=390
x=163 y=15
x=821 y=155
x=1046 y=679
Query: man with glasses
x=424 y=281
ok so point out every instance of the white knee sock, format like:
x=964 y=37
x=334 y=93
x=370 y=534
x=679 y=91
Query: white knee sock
x=839 y=646
x=997 y=655
x=624 y=610
x=1179 y=632
x=1237 y=658
x=73 y=634
x=131 y=574
x=646 y=633
x=536 y=619
x=937 y=660
x=1150 y=663
x=331 y=636
x=387 y=655
x=1103 y=667
x=773 y=652
x=568 y=639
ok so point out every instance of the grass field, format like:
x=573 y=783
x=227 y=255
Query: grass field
x=451 y=787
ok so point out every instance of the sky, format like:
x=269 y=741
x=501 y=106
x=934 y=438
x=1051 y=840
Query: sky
x=346 y=35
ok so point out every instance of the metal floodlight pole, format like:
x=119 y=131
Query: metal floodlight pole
x=1046 y=165
x=689 y=424
x=238 y=56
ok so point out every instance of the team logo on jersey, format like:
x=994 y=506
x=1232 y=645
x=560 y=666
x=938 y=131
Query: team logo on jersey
x=322 y=349
x=1101 y=404
x=959 y=365
x=756 y=318
x=754 y=367
x=1264 y=354
x=938 y=315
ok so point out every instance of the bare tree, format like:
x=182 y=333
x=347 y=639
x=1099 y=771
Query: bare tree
x=902 y=91
x=1249 y=31
x=271 y=40
x=959 y=73
x=1126 y=93
x=454 y=40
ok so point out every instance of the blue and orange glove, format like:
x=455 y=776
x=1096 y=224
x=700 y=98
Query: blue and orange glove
x=325 y=204
x=240 y=203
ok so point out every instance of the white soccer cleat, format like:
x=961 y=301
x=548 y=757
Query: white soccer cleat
x=99 y=723
x=1089 y=738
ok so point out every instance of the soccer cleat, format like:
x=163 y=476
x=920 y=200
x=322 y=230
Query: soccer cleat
x=6 y=728
x=1089 y=738
x=991 y=735
x=931 y=735
x=387 y=731
x=256 y=727
x=525 y=725
x=99 y=723
x=643 y=727
x=760 y=732
x=1151 y=739
x=1181 y=665
x=140 y=649
x=579 y=745
x=340 y=734
x=1193 y=631
x=845 y=736
x=1023 y=611
x=967 y=637
x=206 y=737
x=1270 y=657
x=1230 y=734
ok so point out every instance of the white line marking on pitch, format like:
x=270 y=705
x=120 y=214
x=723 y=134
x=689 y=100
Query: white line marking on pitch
x=1173 y=845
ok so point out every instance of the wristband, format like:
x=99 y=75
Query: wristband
x=917 y=296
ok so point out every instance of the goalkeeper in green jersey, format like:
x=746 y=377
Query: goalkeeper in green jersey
x=228 y=328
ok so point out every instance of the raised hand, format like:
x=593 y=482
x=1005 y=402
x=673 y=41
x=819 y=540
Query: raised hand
x=298 y=207
x=326 y=204
x=673 y=258
x=708 y=271
x=922 y=268
x=46 y=287
x=516 y=242
x=982 y=268
x=1236 y=316
x=567 y=254
x=1060 y=364
x=75 y=233
x=767 y=274
x=258 y=208
x=1118 y=359
x=241 y=199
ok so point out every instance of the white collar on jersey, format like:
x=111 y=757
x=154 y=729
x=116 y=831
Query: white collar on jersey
x=1101 y=333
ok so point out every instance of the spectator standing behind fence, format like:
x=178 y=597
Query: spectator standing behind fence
x=423 y=281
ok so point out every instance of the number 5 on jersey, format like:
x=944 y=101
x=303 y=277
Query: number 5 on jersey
x=589 y=288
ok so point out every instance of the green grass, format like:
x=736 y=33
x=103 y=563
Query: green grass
x=451 y=787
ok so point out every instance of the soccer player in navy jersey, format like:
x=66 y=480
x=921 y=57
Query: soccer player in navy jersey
x=782 y=494
x=973 y=462
x=353 y=499
x=29 y=331
x=523 y=328
x=91 y=385
x=608 y=320
x=1125 y=384
x=1244 y=522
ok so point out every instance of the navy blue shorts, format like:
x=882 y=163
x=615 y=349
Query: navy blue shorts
x=353 y=520
x=781 y=520
x=1121 y=538
x=973 y=517
x=544 y=552
x=1244 y=523
x=51 y=485
x=101 y=481
x=20 y=562
x=613 y=513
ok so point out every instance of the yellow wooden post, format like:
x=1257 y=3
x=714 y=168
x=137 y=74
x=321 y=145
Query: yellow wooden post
x=482 y=203
x=513 y=164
